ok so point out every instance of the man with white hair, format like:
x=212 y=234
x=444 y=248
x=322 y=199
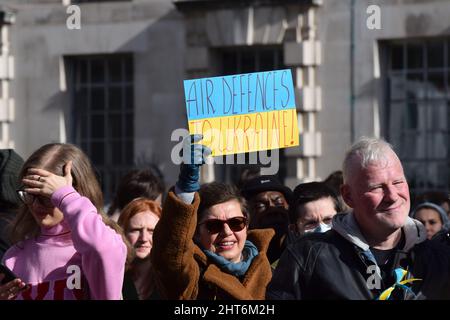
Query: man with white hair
x=375 y=252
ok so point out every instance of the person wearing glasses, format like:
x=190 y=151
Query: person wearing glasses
x=313 y=207
x=65 y=246
x=202 y=248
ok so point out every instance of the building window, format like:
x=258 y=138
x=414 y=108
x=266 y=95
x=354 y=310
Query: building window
x=418 y=113
x=237 y=60
x=102 y=91
x=251 y=59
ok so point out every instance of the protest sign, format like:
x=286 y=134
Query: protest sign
x=244 y=112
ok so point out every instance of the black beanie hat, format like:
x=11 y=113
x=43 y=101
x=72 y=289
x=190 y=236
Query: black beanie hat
x=265 y=183
x=10 y=165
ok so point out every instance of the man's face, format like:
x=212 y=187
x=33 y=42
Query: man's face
x=379 y=196
x=264 y=204
x=313 y=213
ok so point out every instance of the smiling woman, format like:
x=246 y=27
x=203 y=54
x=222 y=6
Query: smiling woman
x=232 y=259
x=202 y=248
x=61 y=233
x=223 y=221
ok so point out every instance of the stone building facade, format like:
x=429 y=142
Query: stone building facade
x=115 y=86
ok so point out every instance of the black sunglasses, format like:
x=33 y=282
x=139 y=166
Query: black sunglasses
x=216 y=225
x=29 y=198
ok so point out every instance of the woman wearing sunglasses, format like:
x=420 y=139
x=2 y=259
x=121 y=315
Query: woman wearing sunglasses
x=65 y=247
x=202 y=248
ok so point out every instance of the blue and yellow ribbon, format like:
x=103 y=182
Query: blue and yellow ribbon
x=400 y=274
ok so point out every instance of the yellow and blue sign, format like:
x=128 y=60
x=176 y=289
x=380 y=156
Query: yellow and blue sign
x=243 y=113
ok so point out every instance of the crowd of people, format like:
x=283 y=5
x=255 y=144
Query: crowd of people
x=354 y=235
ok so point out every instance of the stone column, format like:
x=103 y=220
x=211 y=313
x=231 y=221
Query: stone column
x=302 y=52
x=6 y=76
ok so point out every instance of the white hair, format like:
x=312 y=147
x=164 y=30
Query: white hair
x=364 y=152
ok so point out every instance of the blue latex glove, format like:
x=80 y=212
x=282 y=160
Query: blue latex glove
x=194 y=156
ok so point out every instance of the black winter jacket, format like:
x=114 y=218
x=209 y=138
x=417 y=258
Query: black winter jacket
x=338 y=264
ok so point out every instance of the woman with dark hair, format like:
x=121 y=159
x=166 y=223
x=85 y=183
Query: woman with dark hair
x=138 y=183
x=202 y=247
x=433 y=217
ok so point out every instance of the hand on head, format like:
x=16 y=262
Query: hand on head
x=194 y=156
x=44 y=183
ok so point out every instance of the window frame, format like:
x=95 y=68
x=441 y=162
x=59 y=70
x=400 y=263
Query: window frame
x=110 y=170
x=429 y=103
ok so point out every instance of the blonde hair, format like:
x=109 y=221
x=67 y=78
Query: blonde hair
x=53 y=157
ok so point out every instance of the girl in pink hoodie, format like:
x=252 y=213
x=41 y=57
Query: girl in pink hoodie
x=65 y=247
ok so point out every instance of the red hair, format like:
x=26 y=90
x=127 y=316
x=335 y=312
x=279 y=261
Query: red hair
x=136 y=206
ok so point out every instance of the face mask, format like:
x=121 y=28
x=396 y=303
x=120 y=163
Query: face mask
x=321 y=228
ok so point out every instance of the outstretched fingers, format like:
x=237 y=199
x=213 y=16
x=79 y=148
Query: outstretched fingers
x=39 y=172
x=33 y=183
x=30 y=181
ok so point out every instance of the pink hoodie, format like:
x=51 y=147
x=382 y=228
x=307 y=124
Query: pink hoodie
x=80 y=258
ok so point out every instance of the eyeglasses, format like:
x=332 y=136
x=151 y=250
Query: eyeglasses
x=29 y=199
x=216 y=225
x=311 y=225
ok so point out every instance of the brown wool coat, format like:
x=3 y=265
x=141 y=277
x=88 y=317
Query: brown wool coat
x=184 y=272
